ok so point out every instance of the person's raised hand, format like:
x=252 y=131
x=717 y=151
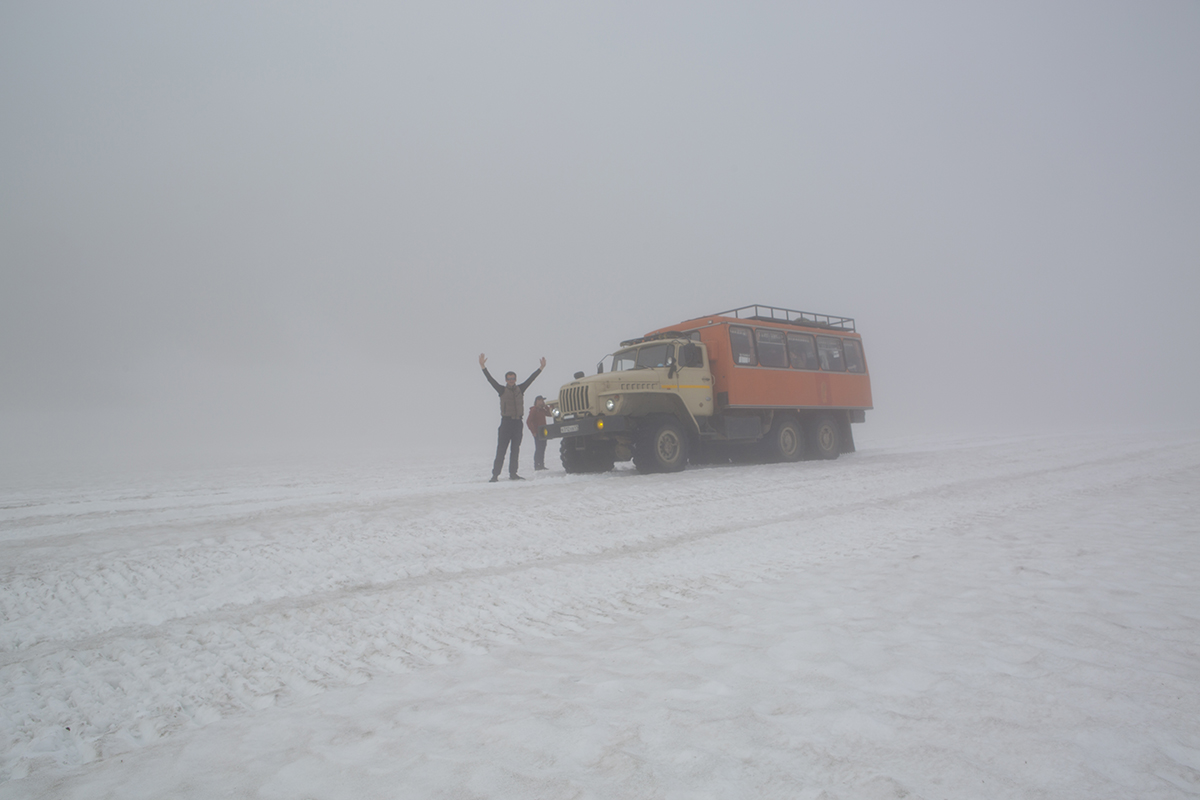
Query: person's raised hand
x=483 y=361
x=543 y=362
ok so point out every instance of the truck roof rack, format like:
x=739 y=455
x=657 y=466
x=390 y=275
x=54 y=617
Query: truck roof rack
x=654 y=336
x=772 y=314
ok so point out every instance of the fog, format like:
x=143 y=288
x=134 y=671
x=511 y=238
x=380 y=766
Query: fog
x=234 y=231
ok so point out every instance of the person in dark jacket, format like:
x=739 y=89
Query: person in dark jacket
x=535 y=421
x=512 y=403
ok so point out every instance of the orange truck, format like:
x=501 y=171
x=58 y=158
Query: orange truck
x=756 y=383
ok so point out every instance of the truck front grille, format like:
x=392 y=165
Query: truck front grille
x=573 y=399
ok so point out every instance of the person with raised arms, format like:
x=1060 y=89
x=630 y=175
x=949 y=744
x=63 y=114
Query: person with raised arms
x=512 y=410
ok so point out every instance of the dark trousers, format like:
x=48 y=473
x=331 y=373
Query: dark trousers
x=509 y=433
x=539 y=452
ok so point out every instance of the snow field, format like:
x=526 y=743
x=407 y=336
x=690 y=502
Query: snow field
x=1005 y=619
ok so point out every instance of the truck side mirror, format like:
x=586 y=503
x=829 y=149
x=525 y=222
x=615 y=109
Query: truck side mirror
x=579 y=375
x=600 y=368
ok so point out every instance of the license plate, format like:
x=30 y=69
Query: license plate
x=568 y=429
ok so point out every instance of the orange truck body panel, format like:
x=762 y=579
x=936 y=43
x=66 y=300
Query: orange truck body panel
x=754 y=386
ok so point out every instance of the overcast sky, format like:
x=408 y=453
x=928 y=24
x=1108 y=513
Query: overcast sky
x=231 y=228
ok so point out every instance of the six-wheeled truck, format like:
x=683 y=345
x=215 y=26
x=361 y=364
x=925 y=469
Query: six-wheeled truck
x=756 y=383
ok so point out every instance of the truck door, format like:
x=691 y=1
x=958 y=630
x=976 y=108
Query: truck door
x=692 y=378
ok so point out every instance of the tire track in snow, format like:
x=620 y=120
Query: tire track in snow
x=181 y=573
x=156 y=583
x=134 y=683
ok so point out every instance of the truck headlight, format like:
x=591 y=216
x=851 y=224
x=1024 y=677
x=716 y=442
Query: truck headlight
x=555 y=412
x=610 y=404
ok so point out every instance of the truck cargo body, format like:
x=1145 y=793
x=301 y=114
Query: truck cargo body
x=794 y=374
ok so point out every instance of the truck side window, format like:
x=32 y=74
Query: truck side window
x=771 y=350
x=854 y=359
x=742 y=343
x=803 y=351
x=690 y=356
x=829 y=349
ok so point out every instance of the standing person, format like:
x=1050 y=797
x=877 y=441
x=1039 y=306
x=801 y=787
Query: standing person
x=535 y=421
x=512 y=400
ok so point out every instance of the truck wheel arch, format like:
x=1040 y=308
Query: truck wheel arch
x=659 y=405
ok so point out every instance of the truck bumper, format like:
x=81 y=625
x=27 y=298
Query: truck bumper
x=583 y=426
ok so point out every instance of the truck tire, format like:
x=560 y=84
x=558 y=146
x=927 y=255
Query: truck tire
x=593 y=458
x=785 y=442
x=663 y=447
x=824 y=437
x=572 y=459
x=602 y=459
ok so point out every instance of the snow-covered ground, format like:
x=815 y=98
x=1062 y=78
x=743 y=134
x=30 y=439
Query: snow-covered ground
x=949 y=619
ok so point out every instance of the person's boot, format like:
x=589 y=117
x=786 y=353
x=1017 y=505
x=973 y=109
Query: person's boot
x=515 y=477
x=494 y=479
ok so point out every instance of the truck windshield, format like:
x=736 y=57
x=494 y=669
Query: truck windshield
x=652 y=355
x=626 y=359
